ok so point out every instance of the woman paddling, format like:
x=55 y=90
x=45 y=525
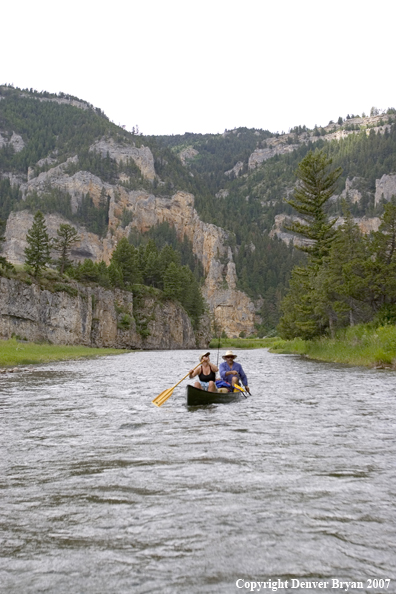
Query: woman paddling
x=206 y=373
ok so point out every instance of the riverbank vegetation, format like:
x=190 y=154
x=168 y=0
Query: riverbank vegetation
x=240 y=343
x=363 y=344
x=17 y=352
x=349 y=278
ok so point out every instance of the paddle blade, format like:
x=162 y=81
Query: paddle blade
x=163 y=397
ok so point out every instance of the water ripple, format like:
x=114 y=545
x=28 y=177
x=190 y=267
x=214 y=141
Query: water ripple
x=104 y=492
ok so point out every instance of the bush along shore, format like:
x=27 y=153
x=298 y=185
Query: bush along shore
x=16 y=352
x=363 y=345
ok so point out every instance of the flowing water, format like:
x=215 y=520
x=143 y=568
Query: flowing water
x=102 y=492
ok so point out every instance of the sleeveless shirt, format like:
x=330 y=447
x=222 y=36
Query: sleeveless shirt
x=207 y=378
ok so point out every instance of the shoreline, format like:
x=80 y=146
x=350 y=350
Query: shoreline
x=14 y=353
x=362 y=345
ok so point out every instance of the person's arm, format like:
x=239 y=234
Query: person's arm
x=213 y=367
x=193 y=372
x=242 y=375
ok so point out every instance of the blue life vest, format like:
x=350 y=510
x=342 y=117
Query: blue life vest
x=223 y=384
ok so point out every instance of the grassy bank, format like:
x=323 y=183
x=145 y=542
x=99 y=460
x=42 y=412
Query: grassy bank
x=240 y=343
x=359 y=345
x=13 y=352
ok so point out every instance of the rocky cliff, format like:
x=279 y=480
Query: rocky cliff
x=96 y=317
x=365 y=224
x=209 y=242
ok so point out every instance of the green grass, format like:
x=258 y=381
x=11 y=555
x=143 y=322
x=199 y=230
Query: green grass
x=241 y=343
x=14 y=352
x=359 y=345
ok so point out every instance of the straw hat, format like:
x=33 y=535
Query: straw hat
x=229 y=354
x=203 y=355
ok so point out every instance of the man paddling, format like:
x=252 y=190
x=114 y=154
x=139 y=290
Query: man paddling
x=231 y=372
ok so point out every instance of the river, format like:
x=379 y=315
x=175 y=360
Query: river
x=102 y=492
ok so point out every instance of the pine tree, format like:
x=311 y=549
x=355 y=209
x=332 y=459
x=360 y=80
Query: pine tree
x=315 y=186
x=381 y=265
x=3 y=262
x=125 y=258
x=37 y=253
x=67 y=237
x=173 y=282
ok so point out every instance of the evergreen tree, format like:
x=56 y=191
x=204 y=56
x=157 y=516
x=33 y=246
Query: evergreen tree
x=314 y=188
x=3 y=262
x=67 y=237
x=381 y=265
x=37 y=253
x=126 y=260
x=173 y=282
x=346 y=271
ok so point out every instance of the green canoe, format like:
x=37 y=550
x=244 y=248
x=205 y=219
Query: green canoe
x=197 y=397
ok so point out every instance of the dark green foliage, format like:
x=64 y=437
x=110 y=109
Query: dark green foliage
x=105 y=168
x=10 y=197
x=315 y=186
x=165 y=235
x=3 y=261
x=67 y=237
x=354 y=283
x=51 y=201
x=95 y=219
x=125 y=269
x=217 y=153
x=58 y=287
x=47 y=126
x=37 y=252
x=91 y=272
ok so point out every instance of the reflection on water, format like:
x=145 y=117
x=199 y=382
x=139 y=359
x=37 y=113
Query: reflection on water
x=103 y=492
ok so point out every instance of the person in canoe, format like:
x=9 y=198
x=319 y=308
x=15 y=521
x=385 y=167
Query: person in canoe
x=232 y=372
x=206 y=373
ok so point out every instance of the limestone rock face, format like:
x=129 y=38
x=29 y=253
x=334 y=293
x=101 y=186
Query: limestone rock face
x=142 y=156
x=16 y=141
x=235 y=170
x=365 y=224
x=187 y=153
x=76 y=185
x=208 y=243
x=93 y=317
x=19 y=223
x=385 y=187
x=351 y=190
x=260 y=155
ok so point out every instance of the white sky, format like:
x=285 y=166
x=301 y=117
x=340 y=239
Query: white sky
x=175 y=66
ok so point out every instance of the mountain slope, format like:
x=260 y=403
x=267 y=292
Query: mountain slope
x=223 y=192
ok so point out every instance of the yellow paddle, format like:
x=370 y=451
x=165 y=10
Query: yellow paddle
x=163 y=397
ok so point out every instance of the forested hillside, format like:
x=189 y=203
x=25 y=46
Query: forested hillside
x=240 y=179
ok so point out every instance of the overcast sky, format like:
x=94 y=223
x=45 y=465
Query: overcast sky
x=175 y=66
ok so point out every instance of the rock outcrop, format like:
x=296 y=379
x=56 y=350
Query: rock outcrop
x=235 y=171
x=385 y=188
x=19 y=223
x=94 y=316
x=365 y=224
x=351 y=190
x=15 y=141
x=209 y=242
x=142 y=156
x=187 y=154
x=260 y=155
